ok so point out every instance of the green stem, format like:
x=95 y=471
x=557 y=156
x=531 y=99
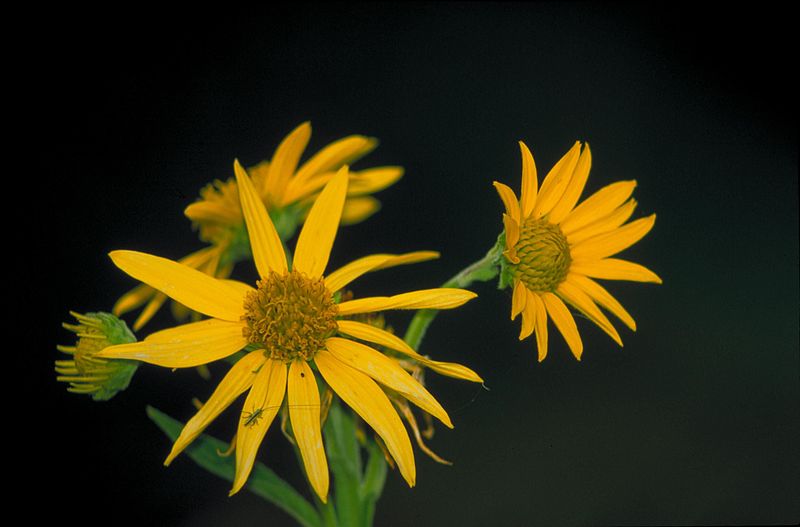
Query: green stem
x=483 y=270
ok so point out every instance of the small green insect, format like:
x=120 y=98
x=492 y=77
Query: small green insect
x=251 y=418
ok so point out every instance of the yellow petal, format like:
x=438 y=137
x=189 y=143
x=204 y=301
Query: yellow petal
x=258 y=176
x=364 y=396
x=518 y=299
x=133 y=299
x=333 y=156
x=614 y=269
x=259 y=410
x=316 y=238
x=509 y=200
x=440 y=298
x=149 y=310
x=373 y=180
x=602 y=225
x=511 y=228
x=309 y=180
x=265 y=243
x=183 y=346
x=240 y=287
x=556 y=181
x=583 y=303
x=388 y=373
x=346 y=274
x=408 y=258
x=284 y=161
x=610 y=243
x=528 y=316
x=304 y=411
x=359 y=209
x=574 y=188
x=238 y=379
x=378 y=336
x=598 y=205
x=564 y=322
x=530 y=182
x=597 y=293
x=213 y=212
x=188 y=286
x=541 y=327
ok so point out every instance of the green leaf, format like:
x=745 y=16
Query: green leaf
x=263 y=482
x=373 y=481
x=344 y=458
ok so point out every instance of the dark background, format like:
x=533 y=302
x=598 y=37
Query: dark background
x=693 y=422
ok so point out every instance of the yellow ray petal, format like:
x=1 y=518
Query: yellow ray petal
x=347 y=273
x=530 y=182
x=183 y=346
x=265 y=243
x=556 y=181
x=388 y=373
x=359 y=209
x=149 y=310
x=329 y=159
x=511 y=228
x=373 y=180
x=440 y=298
x=602 y=225
x=615 y=269
x=408 y=258
x=304 y=411
x=240 y=287
x=574 y=188
x=316 y=238
x=364 y=396
x=333 y=156
x=564 y=322
x=378 y=336
x=133 y=299
x=259 y=410
x=188 y=286
x=528 y=316
x=610 y=243
x=518 y=299
x=213 y=212
x=597 y=293
x=575 y=296
x=284 y=161
x=598 y=205
x=509 y=200
x=541 y=327
x=238 y=379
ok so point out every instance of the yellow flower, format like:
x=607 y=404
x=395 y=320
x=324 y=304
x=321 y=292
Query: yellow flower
x=283 y=186
x=85 y=371
x=292 y=321
x=553 y=248
x=287 y=191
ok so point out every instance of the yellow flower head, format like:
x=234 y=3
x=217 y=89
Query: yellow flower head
x=296 y=328
x=287 y=190
x=554 y=248
x=85 y=371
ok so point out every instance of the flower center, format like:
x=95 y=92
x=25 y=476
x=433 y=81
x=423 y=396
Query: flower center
x=290 y=316
x=544 y=257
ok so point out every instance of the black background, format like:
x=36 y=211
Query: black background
x=692 y=422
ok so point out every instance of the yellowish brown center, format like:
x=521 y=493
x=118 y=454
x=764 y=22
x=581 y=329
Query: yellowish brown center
x=289 y=315
x=544 y=257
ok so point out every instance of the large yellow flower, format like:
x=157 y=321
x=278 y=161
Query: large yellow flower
x=294 y=325
x=554 y=248
x=287 y=190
